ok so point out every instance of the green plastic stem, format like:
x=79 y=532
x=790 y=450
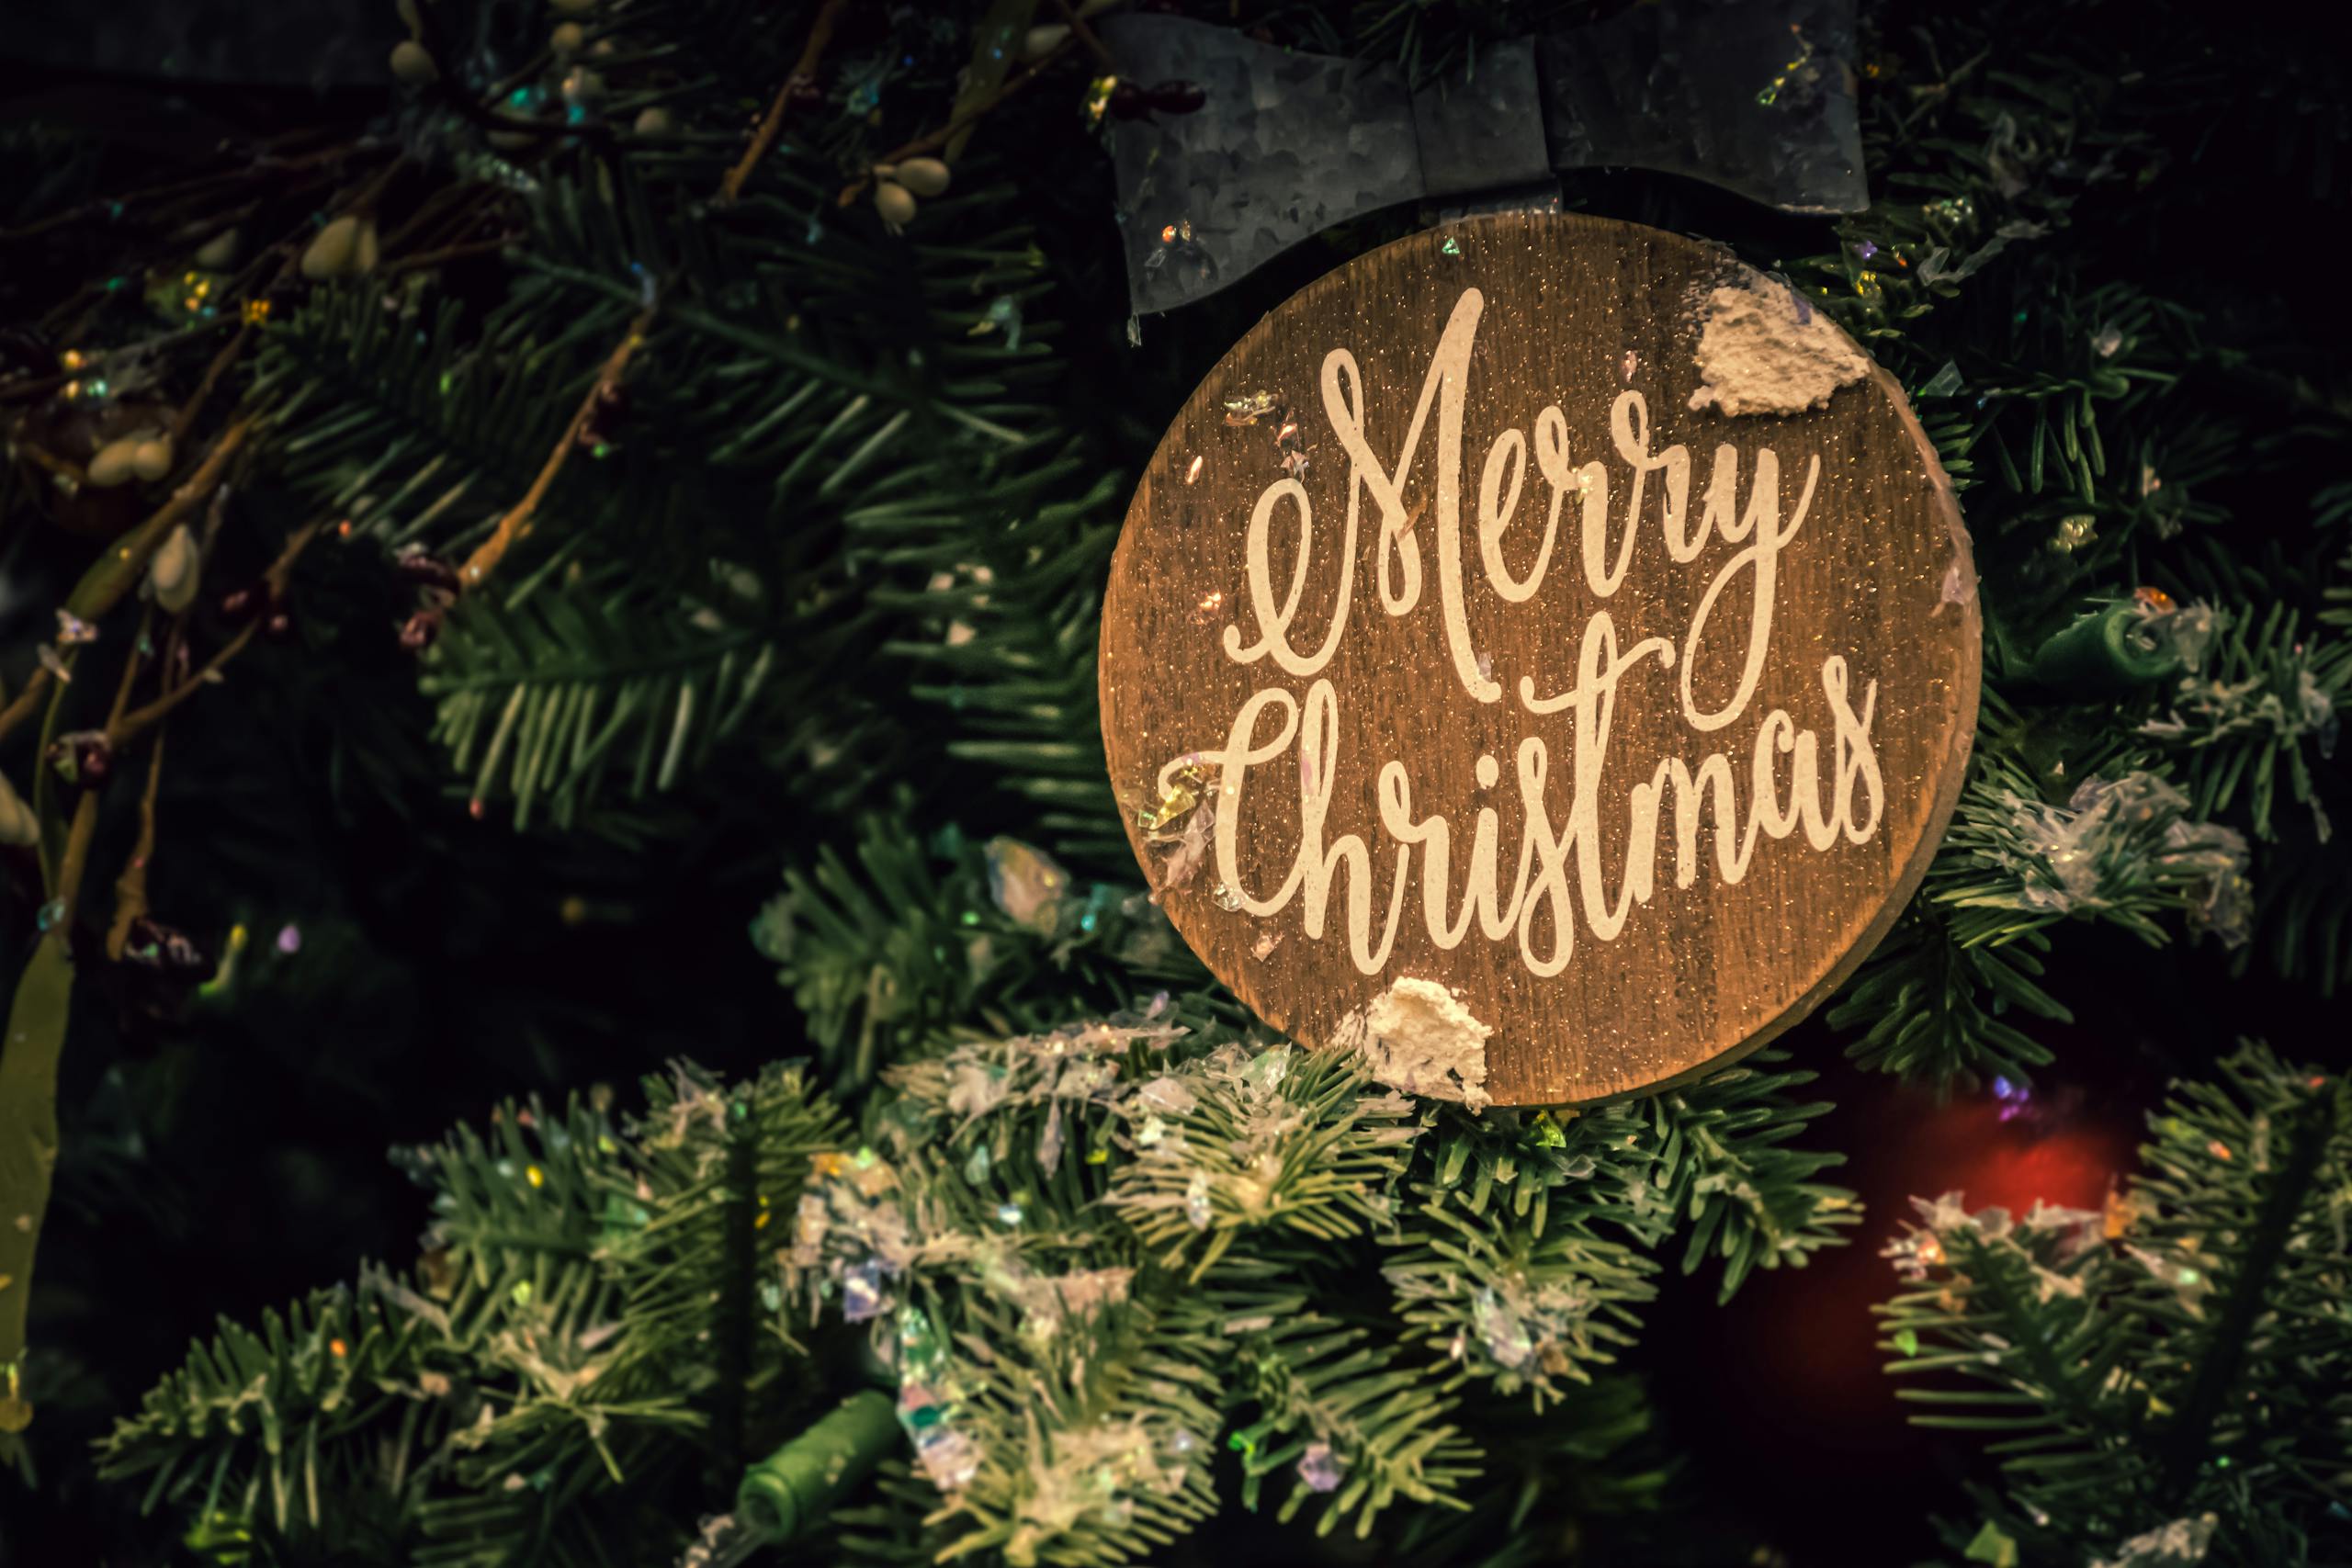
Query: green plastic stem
x=2099 y=652
x=794 y=1487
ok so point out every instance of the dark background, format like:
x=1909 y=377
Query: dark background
x=226 y=1156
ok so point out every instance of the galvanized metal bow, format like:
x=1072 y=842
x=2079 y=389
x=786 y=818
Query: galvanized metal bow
x=1757 y=98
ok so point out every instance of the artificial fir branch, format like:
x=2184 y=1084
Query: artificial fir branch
x=2186 y=1443
x=2136 y=1363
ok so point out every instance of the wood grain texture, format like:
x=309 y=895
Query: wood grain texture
x=1577 y=311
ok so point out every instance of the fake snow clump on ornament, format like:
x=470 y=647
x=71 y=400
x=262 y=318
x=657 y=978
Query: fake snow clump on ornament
x=1417 y=1036
x=1764 y=349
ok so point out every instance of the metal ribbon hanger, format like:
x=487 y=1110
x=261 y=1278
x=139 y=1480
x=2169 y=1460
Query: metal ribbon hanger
x=1755 y=98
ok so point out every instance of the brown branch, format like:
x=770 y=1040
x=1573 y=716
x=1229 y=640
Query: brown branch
x=115 y=574
x=820 y=33
x=1086 y=34
x=45 y=779
x=184 y=421
x=435 y=205
x=41 y=458
x=76 y=859
x=130 y=887
x=256 y=167
x=933 y=141
x=103 y=586
x=130 y=725
x=27 y=391
x=129 y=669
x=290 y=249
x=124 y=727
x=450 y=254
x=517 y=522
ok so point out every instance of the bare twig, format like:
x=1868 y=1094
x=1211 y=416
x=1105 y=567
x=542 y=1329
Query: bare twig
x=931 y=141
x=820 y=33
x=124 y=727
x=106 y=205
x=449 y=253
x=517 y=522
x=129 y=726
x=116 y=572
x=130 y=887
x=1086 y=34
x=103 y=586
x=184 y=421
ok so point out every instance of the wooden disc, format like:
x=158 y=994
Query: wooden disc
x=1437 y=749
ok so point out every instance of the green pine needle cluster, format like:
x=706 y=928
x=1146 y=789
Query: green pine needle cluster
x=1101 y=1257
x=2165 y=1381
x=586 y=1334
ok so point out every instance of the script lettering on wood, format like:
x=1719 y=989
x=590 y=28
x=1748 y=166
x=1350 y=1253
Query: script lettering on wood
x=1541 y=654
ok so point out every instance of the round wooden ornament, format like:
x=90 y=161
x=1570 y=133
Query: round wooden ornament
x=1544 y=654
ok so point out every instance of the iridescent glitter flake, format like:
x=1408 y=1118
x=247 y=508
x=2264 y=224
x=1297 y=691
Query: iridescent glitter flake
x=1183 y=793
x=861 y=1294
x=1191 y=851
x=1944 y=383
x=1026 y=884
x=1291 y=444
x=1319 y=1468
x=928 y=1403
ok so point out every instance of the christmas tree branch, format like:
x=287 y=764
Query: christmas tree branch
x=2184 y=1449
